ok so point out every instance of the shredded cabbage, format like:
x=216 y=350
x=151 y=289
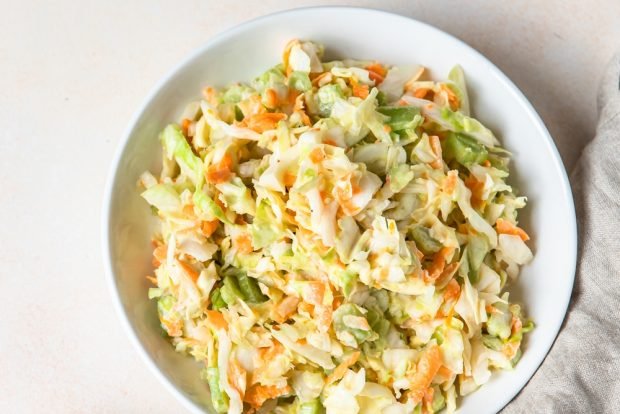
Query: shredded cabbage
x=337 y=237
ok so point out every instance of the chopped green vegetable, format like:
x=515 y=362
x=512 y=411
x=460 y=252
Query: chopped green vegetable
x=218 y=398
x=311 y=407
x=249 y=288
x=216 y=299
x=401 y=117
x=424 y=241
x=300 y=81
x=465 y=150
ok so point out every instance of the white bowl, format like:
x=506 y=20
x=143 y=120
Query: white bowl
x=243 y=52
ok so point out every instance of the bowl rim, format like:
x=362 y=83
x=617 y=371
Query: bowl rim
x=223 y=36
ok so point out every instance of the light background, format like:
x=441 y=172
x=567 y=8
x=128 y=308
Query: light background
x=71 y=75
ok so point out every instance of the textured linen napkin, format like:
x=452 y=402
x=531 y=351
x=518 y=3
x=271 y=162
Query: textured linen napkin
x=581 y=374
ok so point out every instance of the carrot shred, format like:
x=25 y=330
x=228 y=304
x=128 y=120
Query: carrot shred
x=426 y=369
x=209 y=227
x=421 y=92
x=237 y=376
x=271 y=98
x=505 y=227
x=450 y=182
x=377 y=68
x=453 y=100
x=477 y=189
x=289 y=179
x=341 y=369
x=257 y=394
x=216 y=319
x=159 y=255
x=360 y=91
x=210 y=95
x=436 y=146
x=317 y=155
x=243 y=243
x=185 y=123
x=220 y=172
x=193 y=274
x=263 y=122
x=286 y=308
x=452 y=292
x=439 y=263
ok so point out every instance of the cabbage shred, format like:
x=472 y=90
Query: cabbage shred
x=337 y=237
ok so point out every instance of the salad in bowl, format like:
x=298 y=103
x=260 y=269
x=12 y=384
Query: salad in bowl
x=337 y=236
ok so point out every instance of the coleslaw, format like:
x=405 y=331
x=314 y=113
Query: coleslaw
x=336 y=237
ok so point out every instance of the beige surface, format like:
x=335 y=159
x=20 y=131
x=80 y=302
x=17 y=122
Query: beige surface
x=72 y=73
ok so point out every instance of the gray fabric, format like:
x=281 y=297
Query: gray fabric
x=581 y=374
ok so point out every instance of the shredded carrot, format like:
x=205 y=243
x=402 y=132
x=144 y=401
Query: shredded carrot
x=428 y=396
x=317 y=155
x=185 y=123
x=452 y=292
x=510 y=349
x=173 y=328
x=453 y=100
x=360 y=90
x=287 y=52
x=159 y=255
x=299 y=103
x=427 y=368
x=289 y=179
x=152 y=279
x=257 y=394
x=341 y=369
x=376 y=72
x=323 y=315
x=251 y=106
x=315 y=292
x=286 y=308
x=292 y=96
x=477 y=189
x=322 y=79
x=375 y=77
x=450 y=182
x=220 y=172
x=421 y=92
x=445 y=372
x=505 y=227
x=450 y=297
x=516 y=325
x=304 y=117
x=338 y=300
x=377 y=68
x=209 y=227
x=237 y=376
x=305 y=307
x=210 y=95
x=243 y=242
x=436 y=146
x=216 y=319
x=329 y=141
x=193 y=274
x=263 y=122
x=486 y=163
x=271 y=98
x=439 y=263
